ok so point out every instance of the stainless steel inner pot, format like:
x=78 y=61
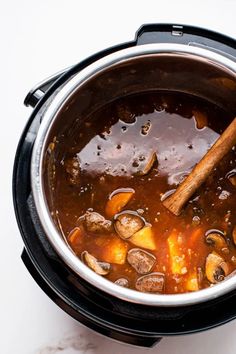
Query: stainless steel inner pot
x=175 y=67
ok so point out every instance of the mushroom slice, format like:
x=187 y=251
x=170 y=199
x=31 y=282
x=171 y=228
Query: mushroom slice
x=151 y=283
x=234 y=235
x=216 y=268
x=149 y=164
x=122 y=282
x=127 y=224
x=232 y=179
x=216 y=240
x=96 y=223
x=101 y=268
x=200 y=119
x=141 y=261
x=232 y=274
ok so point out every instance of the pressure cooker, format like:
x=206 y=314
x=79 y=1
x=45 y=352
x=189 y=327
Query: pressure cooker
x=162 y=56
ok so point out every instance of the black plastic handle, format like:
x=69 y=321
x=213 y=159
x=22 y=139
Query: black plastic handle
x=159 y=33
x=38 y=91
x=188 y=35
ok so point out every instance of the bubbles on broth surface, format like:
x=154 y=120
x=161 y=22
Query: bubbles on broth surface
x=149 y=143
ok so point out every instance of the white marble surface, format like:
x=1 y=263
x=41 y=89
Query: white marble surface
x=39 y=38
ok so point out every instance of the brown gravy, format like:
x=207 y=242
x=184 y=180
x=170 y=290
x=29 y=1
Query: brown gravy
x=108 y=155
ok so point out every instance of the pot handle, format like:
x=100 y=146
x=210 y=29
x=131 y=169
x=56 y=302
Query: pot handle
x=188 y=35
x=38 y=91
x=160 y=33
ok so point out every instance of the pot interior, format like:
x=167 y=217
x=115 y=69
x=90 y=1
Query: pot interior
x=182 y=73
x=178 y=72
x=188 y=74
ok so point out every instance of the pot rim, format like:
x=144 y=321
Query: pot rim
x=49 y=115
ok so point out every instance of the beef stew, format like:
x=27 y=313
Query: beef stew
x=111 y=177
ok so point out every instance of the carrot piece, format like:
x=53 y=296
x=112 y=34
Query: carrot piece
x=194 y=238
x=75 y=237
x=115 y=251
x=118 y=201
x=177 y=258
x=144 y=238
x=192 y=282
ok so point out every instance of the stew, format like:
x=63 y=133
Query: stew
x=115 y=171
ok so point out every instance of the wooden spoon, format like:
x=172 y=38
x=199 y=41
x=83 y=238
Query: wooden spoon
x=202 y=170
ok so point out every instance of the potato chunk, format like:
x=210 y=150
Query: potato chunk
x=115 y=251
x=144 y=238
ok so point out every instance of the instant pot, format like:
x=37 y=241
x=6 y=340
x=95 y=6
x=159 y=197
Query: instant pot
x=166 y=57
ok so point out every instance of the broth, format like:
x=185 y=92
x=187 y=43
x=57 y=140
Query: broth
x=113 y=175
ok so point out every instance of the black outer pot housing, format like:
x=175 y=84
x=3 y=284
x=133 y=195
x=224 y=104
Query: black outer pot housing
x=131 y=323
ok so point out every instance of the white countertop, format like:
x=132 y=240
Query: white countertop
x=39 y=38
